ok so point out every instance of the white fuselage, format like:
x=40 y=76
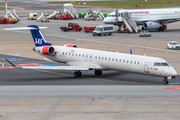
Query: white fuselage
x=104 y=60
x=140 y=16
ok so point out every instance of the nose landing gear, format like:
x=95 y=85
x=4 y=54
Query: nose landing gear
x=165 y=81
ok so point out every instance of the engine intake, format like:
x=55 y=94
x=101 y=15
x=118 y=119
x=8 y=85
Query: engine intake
x=48 y=50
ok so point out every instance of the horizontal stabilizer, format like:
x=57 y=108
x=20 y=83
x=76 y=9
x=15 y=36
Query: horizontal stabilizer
x=24 y=28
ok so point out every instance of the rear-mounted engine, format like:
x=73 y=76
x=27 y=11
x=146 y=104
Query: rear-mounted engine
x=48 y=50
x=70 y=45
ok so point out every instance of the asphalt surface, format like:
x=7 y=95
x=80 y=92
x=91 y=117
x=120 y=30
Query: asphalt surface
x=16 y=77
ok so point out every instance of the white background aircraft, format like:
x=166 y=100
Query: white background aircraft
x=148 y=18
x=80 y=59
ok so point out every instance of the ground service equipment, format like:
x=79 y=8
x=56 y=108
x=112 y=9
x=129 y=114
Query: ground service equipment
x=71 y=26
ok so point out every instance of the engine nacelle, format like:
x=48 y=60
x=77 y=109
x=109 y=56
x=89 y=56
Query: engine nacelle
x=70 y=45
x=151 y=25
x=48 y=50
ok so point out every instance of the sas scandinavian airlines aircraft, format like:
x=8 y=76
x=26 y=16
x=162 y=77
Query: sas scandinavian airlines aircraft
x=80 y=59
x=148 y=18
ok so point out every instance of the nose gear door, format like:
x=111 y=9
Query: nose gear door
x=146 y=67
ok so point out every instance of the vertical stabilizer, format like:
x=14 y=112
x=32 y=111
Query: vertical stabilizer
x=38 y=37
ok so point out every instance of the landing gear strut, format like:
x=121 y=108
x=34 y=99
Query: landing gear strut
x=165 y=81
x=77 y=73
x=98 y=72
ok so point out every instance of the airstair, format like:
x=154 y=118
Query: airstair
x=129 y=22
x=14 y=15
x=53 y=14
x=72 y=11
x=101 y=16
x=88 y=15
x=43 y=17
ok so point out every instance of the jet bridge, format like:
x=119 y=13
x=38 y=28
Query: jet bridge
x=126 y=18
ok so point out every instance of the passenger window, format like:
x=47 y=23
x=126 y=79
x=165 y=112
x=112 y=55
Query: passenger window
x=131 y=62
x=109 y=58
x=113 y=59
x=99 y=57
x=102 y=58
x=119 y=60
x=79 y=55
x=134 y=62
x=96 y=57
x=69 y=53
x=123 y=60
x=138 y=63
x=106 y=58
x=63 y=53
x=127 y=61
x=73 y=54
x=76 y=54
x=83 y=55
x=116 y=60
x=66 y=53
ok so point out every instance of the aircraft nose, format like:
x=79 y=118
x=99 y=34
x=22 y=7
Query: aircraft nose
x=173 y=72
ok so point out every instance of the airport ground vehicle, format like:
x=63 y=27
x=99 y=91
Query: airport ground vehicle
x=32 y=16
x=65 y=16
x=4 y=20
x=173 y=45
x=71 y=26
x=89 y=28
x=103 y=30
x=145 y=33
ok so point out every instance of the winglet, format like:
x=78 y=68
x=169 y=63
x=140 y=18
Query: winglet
x=131 y=52
x=10 y=63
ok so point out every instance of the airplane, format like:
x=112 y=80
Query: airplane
x=80 y=59
x=149 y=19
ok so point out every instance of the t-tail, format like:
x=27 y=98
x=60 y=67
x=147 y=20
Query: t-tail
x=38 y=38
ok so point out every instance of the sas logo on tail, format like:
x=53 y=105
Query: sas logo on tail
x=38 y=41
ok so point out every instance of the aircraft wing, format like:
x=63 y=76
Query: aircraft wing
x=56 y=67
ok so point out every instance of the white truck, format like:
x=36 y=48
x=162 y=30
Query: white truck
x=32 y=16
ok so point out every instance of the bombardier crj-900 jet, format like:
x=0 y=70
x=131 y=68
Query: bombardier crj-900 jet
x=150 y=19
x=80 y=59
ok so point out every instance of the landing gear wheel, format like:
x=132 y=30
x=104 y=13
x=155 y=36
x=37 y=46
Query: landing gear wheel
x=98 y=72
x=165 y=81
x=77 y=74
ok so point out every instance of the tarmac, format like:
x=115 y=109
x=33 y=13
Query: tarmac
x=45 y=95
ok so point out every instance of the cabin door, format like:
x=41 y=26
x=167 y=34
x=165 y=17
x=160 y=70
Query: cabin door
x=90 y=58
x=86 y=57
x=146 y=67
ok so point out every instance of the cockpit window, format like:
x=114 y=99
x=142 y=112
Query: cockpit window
x=161 y=64
x=165 y=64
x=111 y=15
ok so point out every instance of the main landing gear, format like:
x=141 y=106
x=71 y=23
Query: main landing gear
x=165 y=81
x=98 y=72
x=77 y=73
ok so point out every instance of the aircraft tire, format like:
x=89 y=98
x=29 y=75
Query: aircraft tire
x=98 y=72
x=165 y=81
x=75 y=74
